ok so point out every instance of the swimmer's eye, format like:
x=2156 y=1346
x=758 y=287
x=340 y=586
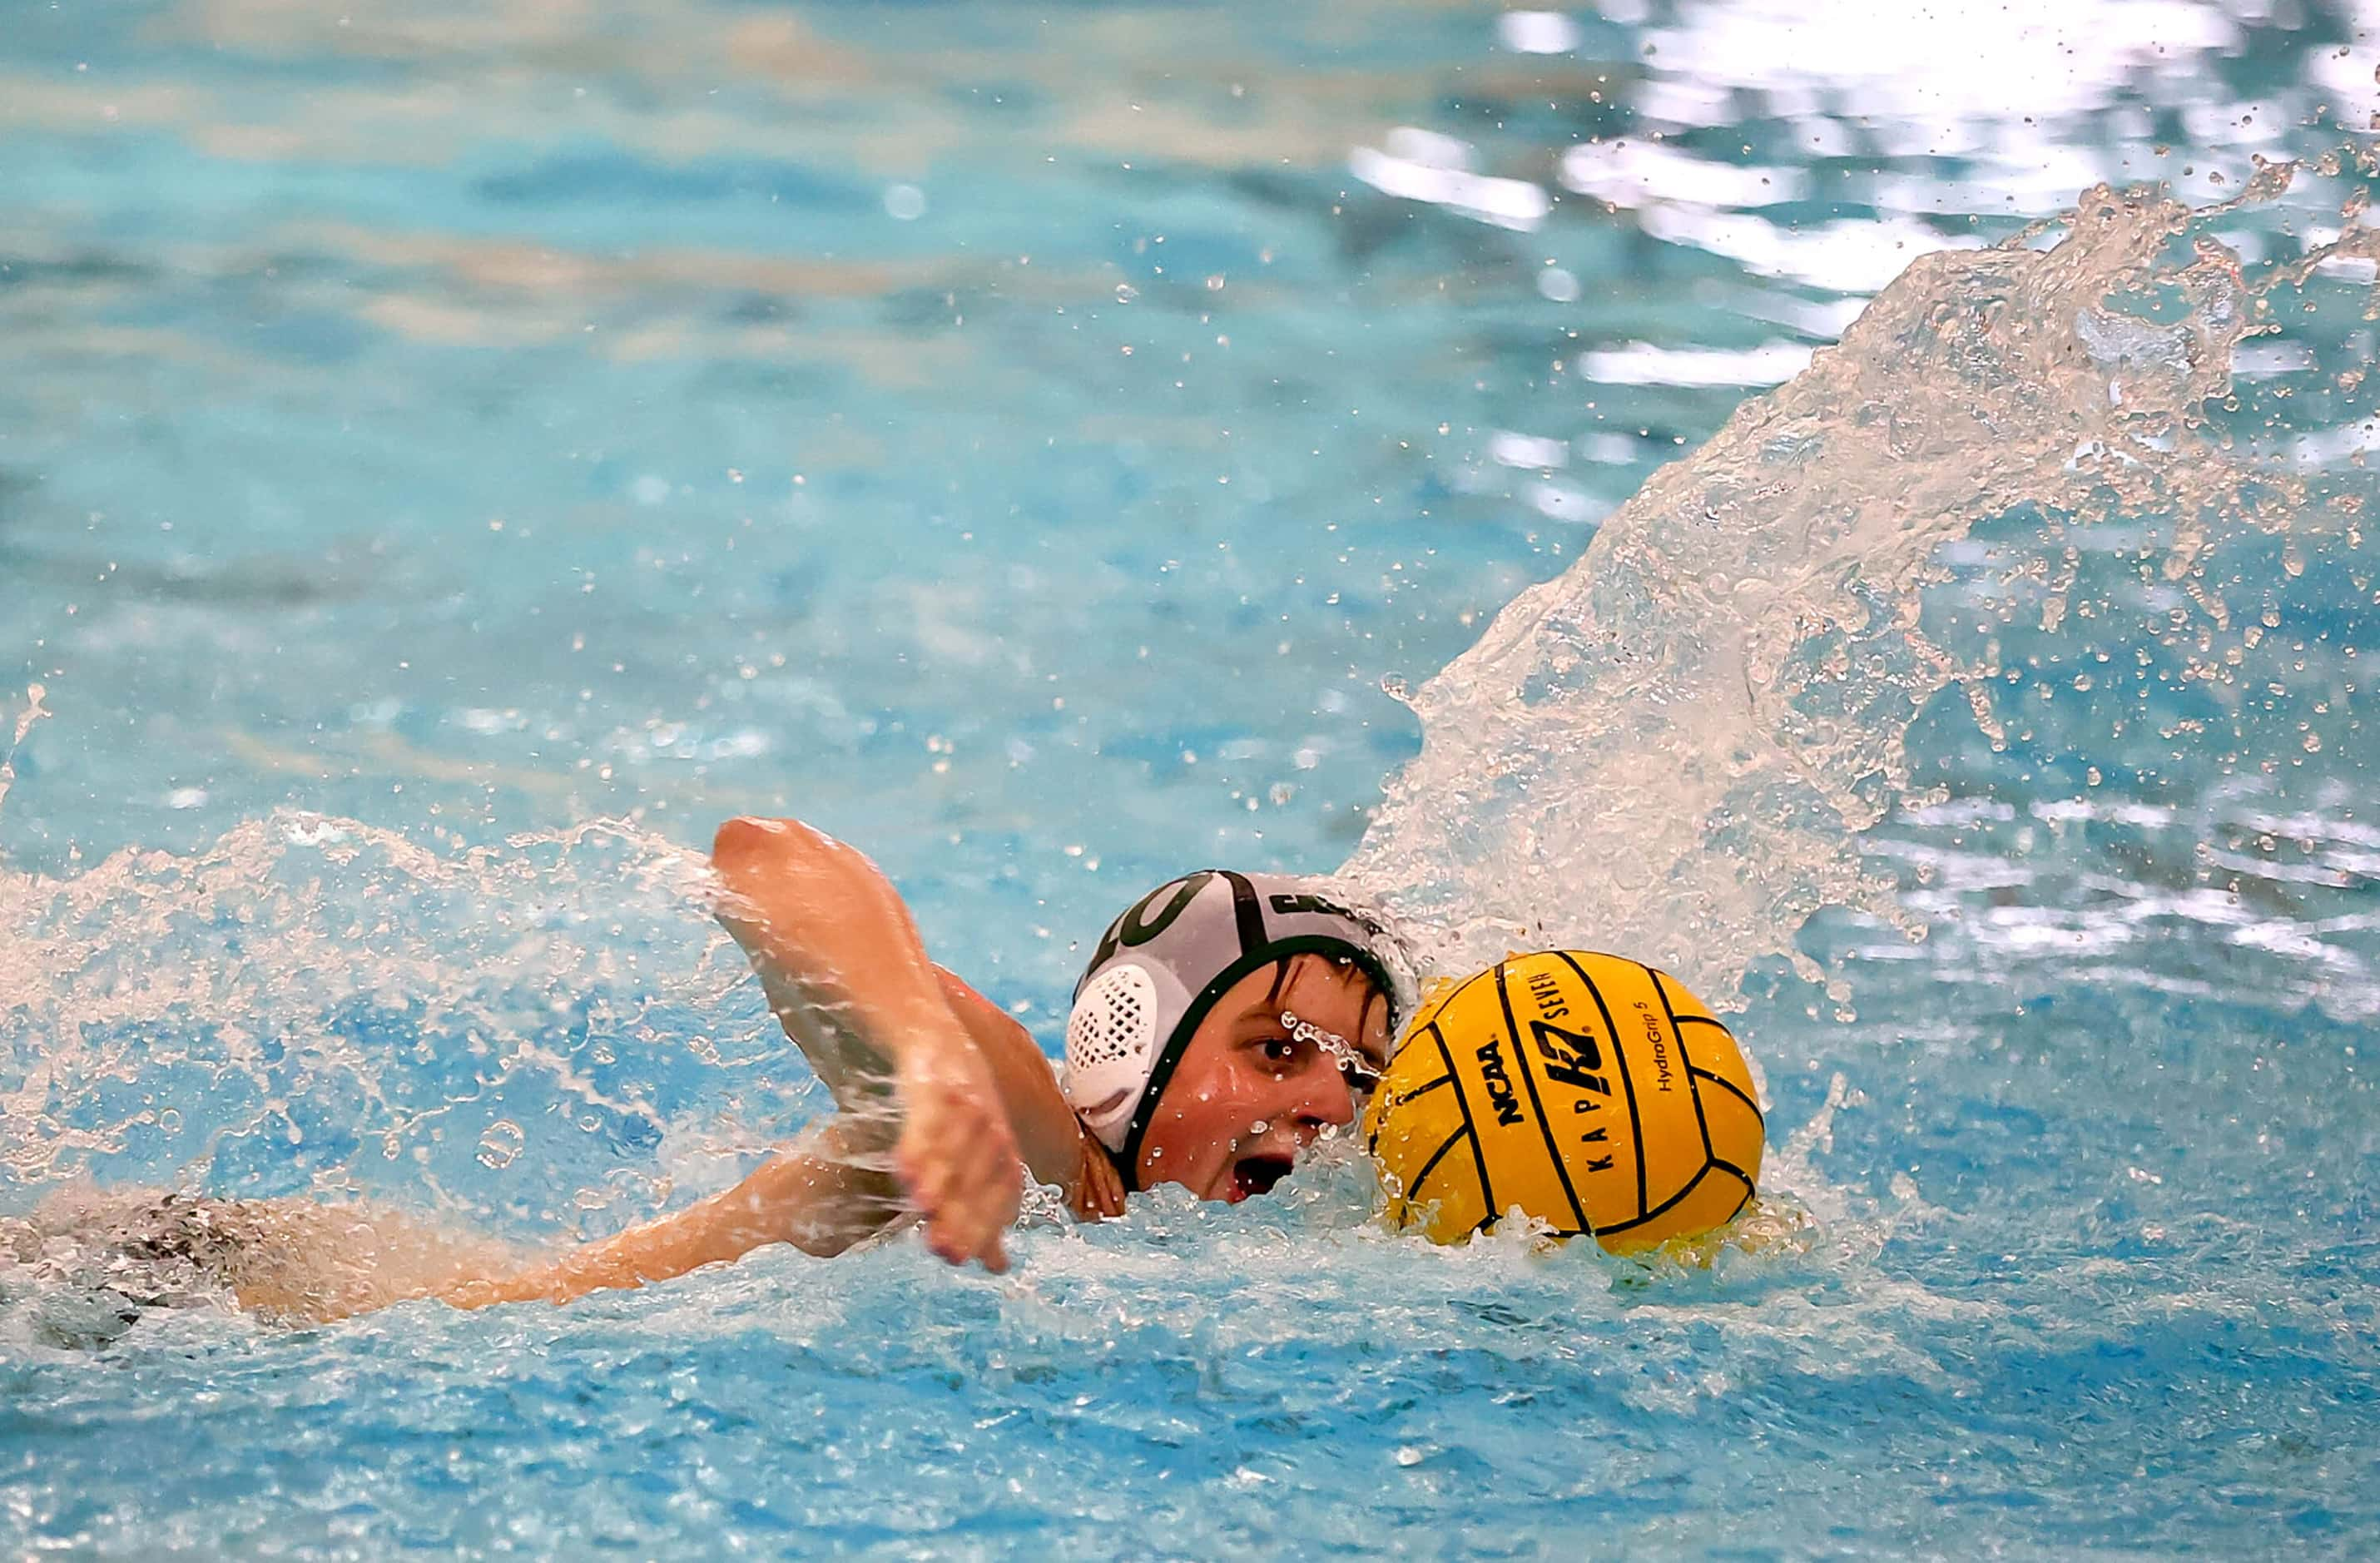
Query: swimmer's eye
x=1287 y=1054
x=1362 y=1078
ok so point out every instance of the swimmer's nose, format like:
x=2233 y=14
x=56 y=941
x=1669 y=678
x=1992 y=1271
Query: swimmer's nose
x=1329 y=1101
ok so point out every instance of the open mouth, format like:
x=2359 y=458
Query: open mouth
x=1257 y=1174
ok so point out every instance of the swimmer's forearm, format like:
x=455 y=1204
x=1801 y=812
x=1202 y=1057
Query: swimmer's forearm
x=835 y=948
x=817 y=1200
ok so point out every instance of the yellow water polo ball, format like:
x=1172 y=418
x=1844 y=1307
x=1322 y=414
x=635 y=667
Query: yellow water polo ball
x=1591 y=1091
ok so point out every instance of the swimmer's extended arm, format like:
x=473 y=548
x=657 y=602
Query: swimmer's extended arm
x=832 y=1192
x=822 y=1198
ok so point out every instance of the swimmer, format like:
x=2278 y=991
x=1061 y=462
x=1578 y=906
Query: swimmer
x=1224 y=1023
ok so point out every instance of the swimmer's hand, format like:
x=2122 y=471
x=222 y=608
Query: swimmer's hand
x=956 y=1157
x=1097 y=1191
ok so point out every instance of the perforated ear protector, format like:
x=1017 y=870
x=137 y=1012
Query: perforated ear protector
x=1111 y=1047
x=1163 y=964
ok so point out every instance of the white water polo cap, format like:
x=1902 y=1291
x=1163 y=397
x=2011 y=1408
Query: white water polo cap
x=1163 y=964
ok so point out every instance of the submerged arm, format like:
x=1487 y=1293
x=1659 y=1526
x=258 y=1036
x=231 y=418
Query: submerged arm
x=822 y=1198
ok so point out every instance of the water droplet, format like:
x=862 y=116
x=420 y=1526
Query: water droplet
x=500 y=1144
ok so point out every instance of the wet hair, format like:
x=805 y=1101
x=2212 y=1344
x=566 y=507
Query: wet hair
x=1375 y=993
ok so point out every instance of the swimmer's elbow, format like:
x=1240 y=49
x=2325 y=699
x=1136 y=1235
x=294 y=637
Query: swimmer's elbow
x=749 y=853
x=782 y=884
x=745 y=838
x=748 y=841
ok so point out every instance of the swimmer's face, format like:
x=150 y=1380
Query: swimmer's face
x=1251 y=1091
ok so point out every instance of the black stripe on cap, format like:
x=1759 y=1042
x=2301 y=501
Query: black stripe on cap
x=1247 y=910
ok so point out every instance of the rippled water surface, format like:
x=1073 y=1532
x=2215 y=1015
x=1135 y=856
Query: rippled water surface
x=453 y=455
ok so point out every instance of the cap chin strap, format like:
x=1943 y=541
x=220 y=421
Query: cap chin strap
x=1169 y=1057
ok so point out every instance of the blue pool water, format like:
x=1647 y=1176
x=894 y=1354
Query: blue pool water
x=451 y=456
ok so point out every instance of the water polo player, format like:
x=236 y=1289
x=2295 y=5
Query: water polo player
x=1224 y=1021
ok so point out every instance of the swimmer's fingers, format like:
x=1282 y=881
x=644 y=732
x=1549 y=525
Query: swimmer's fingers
x=470 y=1294
x=957 y=1157
x=1099 y=1188
x=986 y=1202
x=967 y=1191
x=991 y=1188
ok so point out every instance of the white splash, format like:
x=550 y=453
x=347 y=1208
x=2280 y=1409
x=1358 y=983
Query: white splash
x=1671 y=749
x=33 y=713
x=273 y=972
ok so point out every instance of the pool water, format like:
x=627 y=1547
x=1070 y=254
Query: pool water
x=453 y=456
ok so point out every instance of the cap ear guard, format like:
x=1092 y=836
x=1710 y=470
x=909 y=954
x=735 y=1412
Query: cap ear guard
x=1110 y=1050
